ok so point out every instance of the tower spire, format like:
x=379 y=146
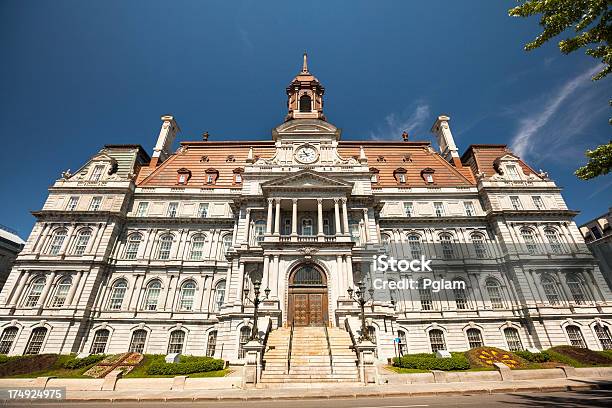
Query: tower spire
x=305 y=64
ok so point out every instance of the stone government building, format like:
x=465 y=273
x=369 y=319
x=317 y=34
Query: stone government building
x=154 y=254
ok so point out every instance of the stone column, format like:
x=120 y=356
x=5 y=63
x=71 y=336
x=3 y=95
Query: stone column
x=274 y=277
x=269 y=219
x=337 y=226
x=277 y=217
x=22 y=281
x=73 y=288
x=46 y=289
x=349 y=271
x=366 y=224
x=247 y=224
x=319 y=216
x=253 y=362
x=345 y=217
x=265 y=277
x=294 y=217
x=240 y=282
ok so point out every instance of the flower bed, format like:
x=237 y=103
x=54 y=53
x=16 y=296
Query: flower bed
x=486 y=356
x=124 y=362
x=26 y=364
x=578 y=357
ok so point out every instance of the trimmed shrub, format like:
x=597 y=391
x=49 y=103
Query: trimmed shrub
x=606 y=353
x=76 y=363
x=186 y=365
x=425 y=361
x=578 y=357
x=541 y=357
x=3 y=358
x=27 y=364
x=486 y=356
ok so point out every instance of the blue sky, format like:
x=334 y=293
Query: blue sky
x=76 y=75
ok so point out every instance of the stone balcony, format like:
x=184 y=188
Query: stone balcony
x=307 y=238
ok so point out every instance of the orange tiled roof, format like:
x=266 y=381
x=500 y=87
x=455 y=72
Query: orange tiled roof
x=480 y=158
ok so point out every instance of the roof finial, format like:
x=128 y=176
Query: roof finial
x=305 y=65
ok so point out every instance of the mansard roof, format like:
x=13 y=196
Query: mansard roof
x=481 y=158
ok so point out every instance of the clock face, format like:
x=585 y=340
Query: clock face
x=306 y=154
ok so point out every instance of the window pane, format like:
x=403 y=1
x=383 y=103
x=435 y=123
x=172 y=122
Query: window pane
x=212 y=343
x=137 y=344
x=513 y=339
x=36 y=289
x=36 y=341
x=575 y=336
x=8 y=337
x=98 y=346
x=474 y=338
x=61 y=292
x=603 y=334
x=436 y=339
x=175 y=345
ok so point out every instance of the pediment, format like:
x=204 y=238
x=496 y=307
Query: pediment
x=307 y=179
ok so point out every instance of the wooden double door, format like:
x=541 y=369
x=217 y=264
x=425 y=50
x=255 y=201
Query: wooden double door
x=307 y=302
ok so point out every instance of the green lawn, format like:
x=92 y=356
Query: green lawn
x=401 y=370
x=57 y=370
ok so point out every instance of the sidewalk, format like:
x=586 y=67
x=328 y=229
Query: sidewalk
x=317 y=391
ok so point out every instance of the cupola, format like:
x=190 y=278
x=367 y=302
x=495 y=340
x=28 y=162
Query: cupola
x=305 y=96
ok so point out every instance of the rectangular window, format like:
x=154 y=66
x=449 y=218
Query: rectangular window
x=95 y=203
x=429 y=178
x=96 y=174
x=537 y=202
x=469 y=208
x=596 y=232
x=439 y=208
x=326 y=226
x=425 y=295
x=172 y=209
x=408 y=209
x=72 y=203
x=212 y=344
x=401 y=177
x=287 y=227
x=512 y=172
x=203 y=210
x=516 y=203
x=142 y=209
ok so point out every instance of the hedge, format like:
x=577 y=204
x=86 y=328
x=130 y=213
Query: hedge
x=186 y=365
x=83 y=362
x=541 y=357
x=425 y=361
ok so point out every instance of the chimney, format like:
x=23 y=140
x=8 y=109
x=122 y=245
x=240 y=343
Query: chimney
x=445 y=140
x=405 y=136
x=168 y=132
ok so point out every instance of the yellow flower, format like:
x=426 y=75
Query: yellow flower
x=489 y=362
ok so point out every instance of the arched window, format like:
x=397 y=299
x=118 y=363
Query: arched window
x=57 y=241
x=82 y=240
x=165 y=245
x=603 y=335
x=552 y=236
x=152 y=295
x=8 y=337
x=139 y=339
x=414 y=243
x=219 y=295
x=197 y=247
x=425 y=296
x=460 y=295
x=436 y=340
x=36 y=289
x=474 y=337
x=529 y=239
x=260 y=230
x=61 y=292
x=307 y=275
x=227 y=243
x=513 y=339
x=133 y=244
x=550 y=290
x=98 y=345
x=187 y=295
x=577 y=289
x=211 y=345
x=354 y=230
x=117 y=294
x=575 y=336
x=386 y=242
x=305 y=103
x=403 y=342
x=480 y=248
x=446 y=242
x=245 y=334
x=307 y=226
x=35 y=343
x=175 y=345
x=495 y=295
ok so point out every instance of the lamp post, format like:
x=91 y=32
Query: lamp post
x=359 y=296
x=256 y=300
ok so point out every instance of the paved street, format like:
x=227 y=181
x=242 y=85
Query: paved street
x=553 y=399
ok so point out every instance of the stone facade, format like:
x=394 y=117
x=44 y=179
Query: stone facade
x=597 y=234
x=10 y=245
x=157 y=254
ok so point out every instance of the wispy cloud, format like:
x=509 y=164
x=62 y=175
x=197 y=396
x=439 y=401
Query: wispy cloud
x=411 y=119
x=529 y=126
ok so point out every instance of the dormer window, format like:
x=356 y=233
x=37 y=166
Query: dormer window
x=230 y=158
x=305 y=103
x=512 y=172
x=96 y=174
x=374 y=175
x=428 y=175
x=211 y=176
x=183 y=176
x=400 y=175
x=238 y=175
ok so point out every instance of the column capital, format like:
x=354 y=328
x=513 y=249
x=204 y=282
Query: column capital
x=343 y=199
x=294 y=200
x=270 y=200
x=319 y=200
x=336 y=199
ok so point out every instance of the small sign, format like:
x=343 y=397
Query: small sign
x=397 y=340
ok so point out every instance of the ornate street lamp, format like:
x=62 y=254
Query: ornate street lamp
x=359 y=296
x=256 y=300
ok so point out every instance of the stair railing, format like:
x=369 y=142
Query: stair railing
x=290 y=346
x=347 y=325
x=331 y=364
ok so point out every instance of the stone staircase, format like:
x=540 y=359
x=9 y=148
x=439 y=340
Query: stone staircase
x=310 y=357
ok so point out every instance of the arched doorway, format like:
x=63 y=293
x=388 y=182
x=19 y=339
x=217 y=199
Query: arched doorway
x=307 y=297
